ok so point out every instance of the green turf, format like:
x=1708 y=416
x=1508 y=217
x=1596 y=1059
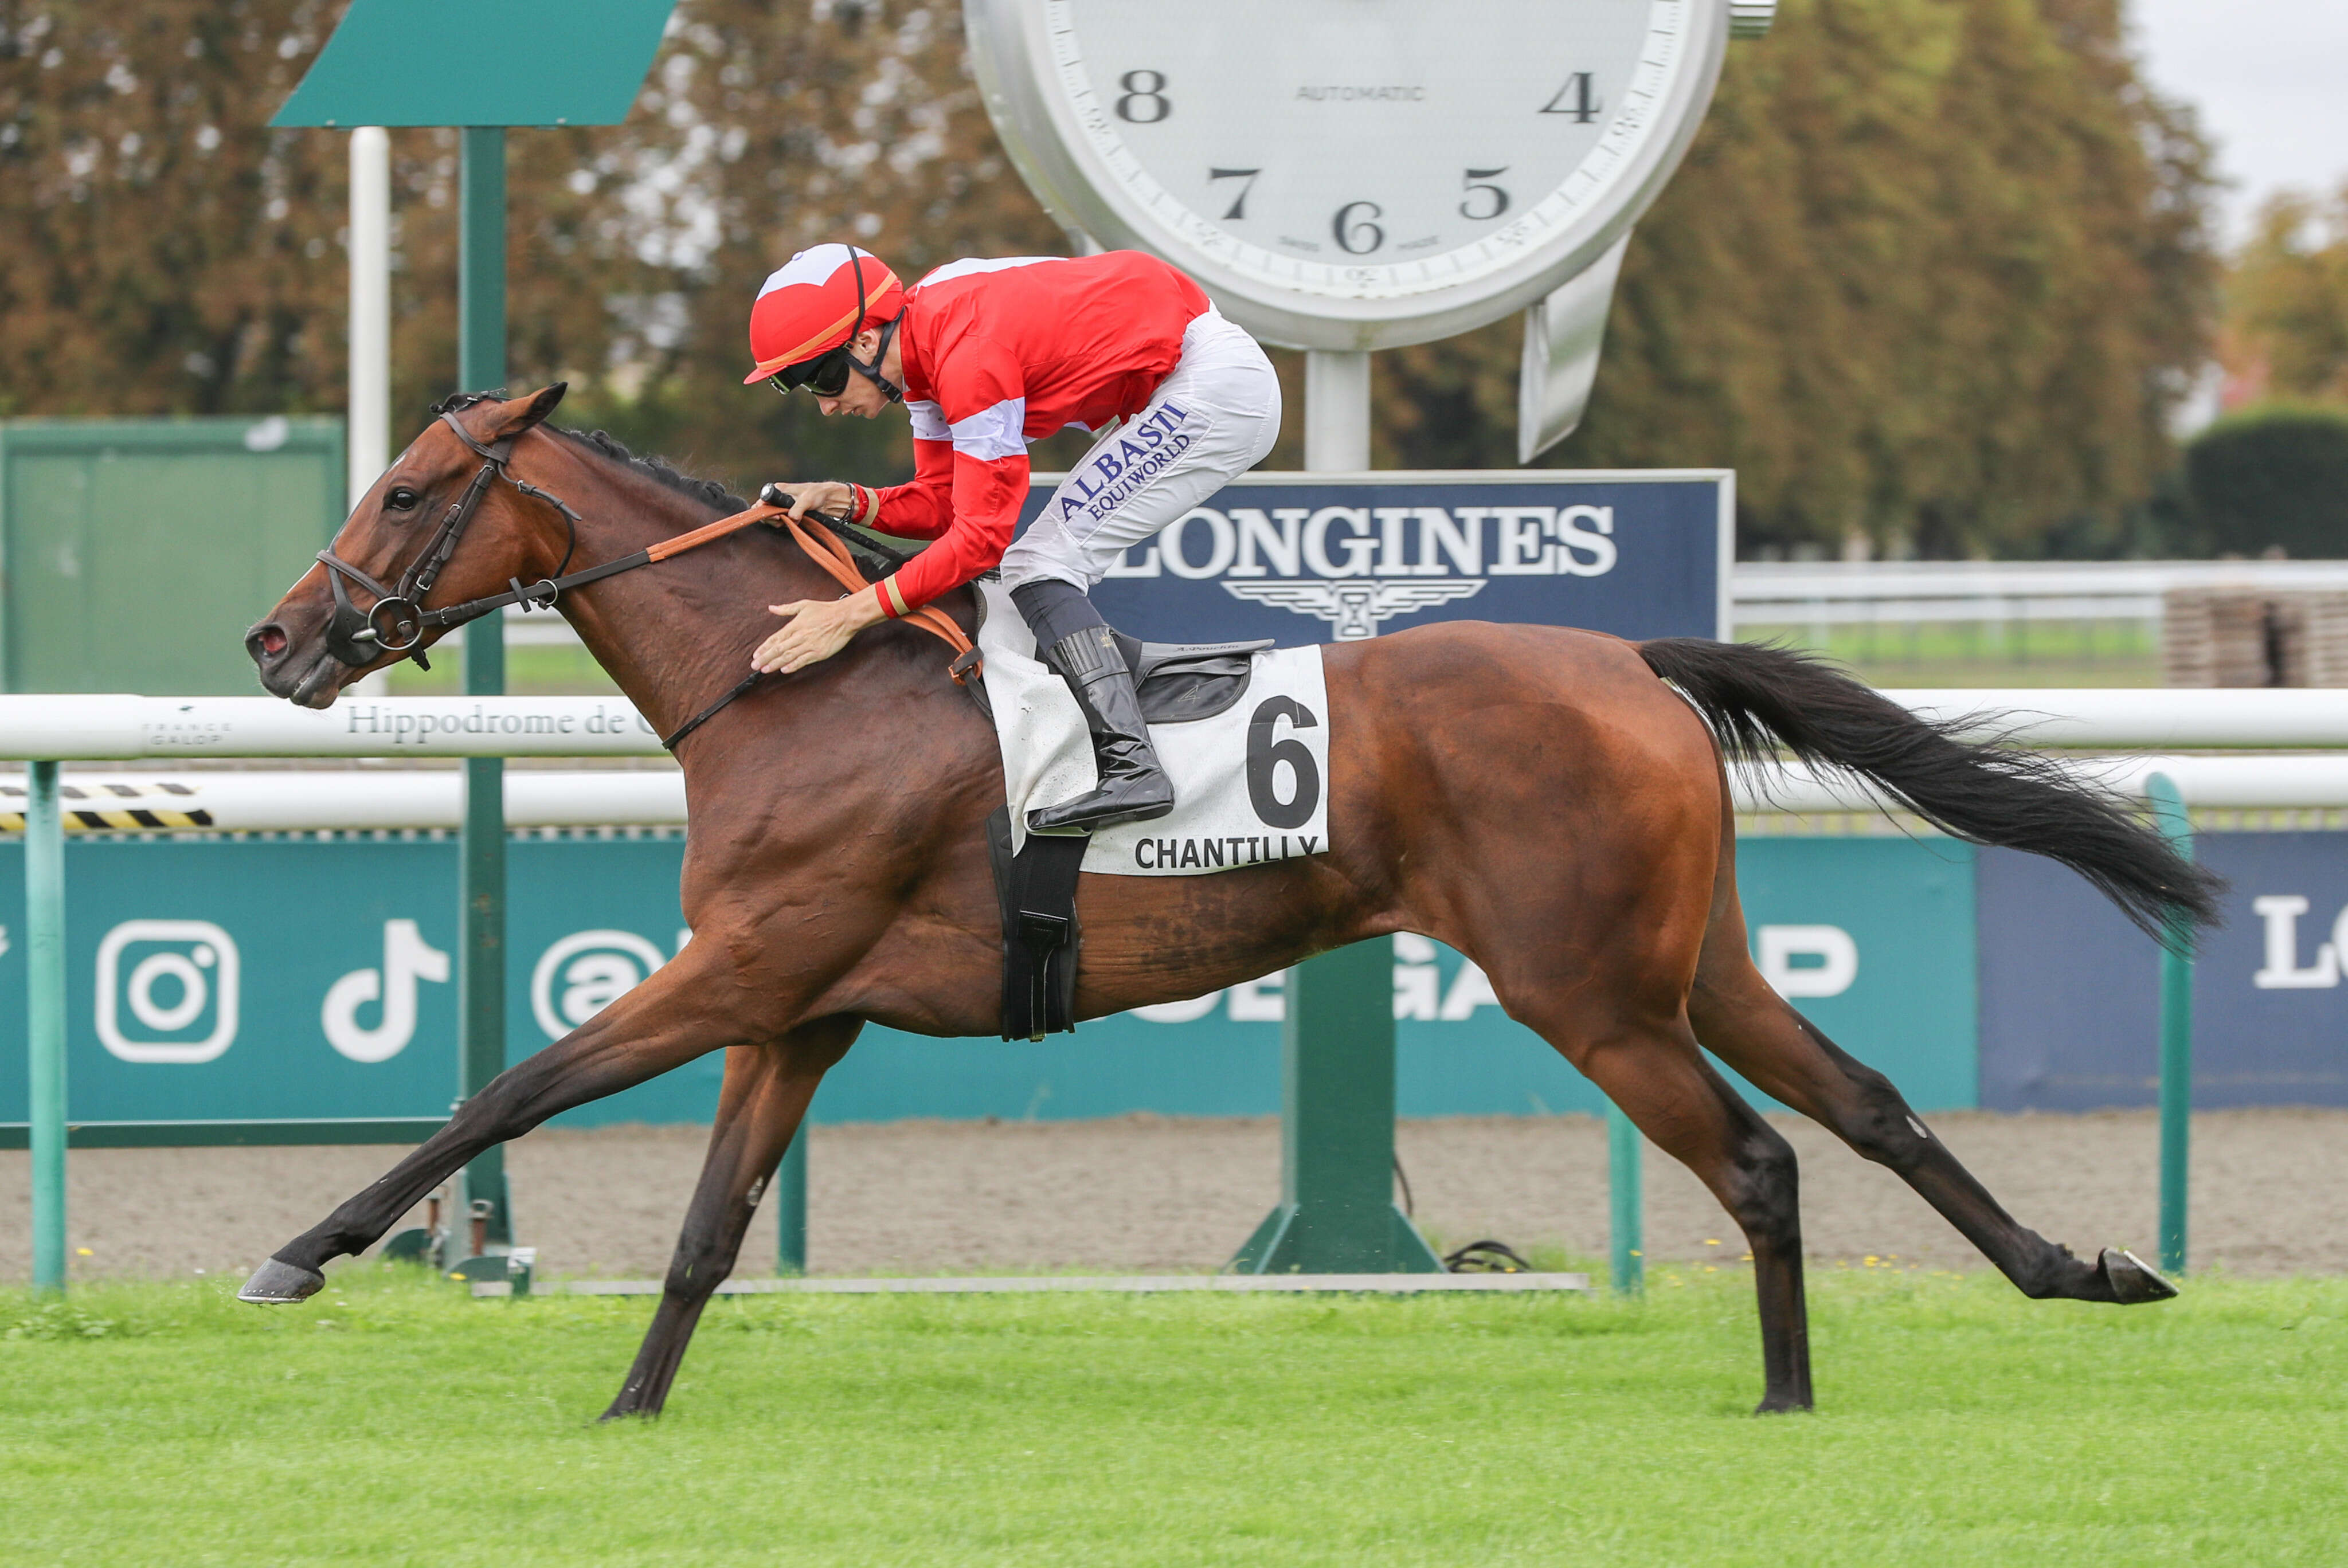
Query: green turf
x=1975 y=653
x=391 y=1420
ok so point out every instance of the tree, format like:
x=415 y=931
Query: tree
x=2287 y=303
x=162 y=251
x=1933 y=273
x=2273 y=478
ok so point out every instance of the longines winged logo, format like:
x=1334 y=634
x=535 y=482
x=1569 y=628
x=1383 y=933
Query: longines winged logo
x=1354 y=608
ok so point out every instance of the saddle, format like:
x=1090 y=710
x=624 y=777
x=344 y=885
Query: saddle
x=1037 y=887
x=1178 y=682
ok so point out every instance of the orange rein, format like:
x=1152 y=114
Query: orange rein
x=829 y=553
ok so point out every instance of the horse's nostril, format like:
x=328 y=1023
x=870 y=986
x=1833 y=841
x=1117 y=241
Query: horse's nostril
x=271 y=640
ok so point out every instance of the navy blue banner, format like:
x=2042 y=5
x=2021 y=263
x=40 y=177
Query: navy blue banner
x=1312 y=558
x=2070 y=998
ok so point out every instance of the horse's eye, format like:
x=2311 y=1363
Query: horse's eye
x=401 y=500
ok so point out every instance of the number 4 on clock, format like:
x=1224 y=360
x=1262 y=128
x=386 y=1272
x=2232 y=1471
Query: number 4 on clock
x=1578 y=98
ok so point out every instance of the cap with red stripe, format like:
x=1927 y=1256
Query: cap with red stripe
x=808 y=306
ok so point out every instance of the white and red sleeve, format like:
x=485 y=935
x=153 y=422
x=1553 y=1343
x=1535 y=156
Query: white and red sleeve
x=985 y=409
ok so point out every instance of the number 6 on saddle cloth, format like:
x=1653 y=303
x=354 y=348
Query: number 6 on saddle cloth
x=1242 y=731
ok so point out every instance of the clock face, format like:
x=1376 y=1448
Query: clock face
x=1364 y=162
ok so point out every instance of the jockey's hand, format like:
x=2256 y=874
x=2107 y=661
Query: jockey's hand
x=827 y=495
x=817 y=628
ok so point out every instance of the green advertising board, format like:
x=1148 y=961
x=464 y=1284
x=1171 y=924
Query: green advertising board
x=136 y=552
x=297 y=979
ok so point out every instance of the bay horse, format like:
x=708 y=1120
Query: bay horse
x=1553 y=804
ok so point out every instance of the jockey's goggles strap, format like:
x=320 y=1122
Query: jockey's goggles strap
x=826 y=374
x=872 y=372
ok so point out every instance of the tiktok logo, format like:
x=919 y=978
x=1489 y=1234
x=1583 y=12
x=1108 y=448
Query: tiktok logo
x=407 y=959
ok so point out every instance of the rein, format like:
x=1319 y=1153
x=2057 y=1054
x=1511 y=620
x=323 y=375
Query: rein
x=352 y=630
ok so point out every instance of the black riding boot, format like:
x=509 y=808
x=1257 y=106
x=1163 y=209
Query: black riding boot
x=1133 y=788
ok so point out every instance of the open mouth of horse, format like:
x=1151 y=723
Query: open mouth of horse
x=307 y=676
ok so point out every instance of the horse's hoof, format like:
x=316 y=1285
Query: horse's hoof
x=1782 y=1404
x=278 y=1284
x=2132 y=1279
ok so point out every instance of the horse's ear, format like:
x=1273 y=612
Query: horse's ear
x=523 y=413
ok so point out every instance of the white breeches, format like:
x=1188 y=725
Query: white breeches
x=1214 y=417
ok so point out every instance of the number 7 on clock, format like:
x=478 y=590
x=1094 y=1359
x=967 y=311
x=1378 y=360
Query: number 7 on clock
x=1239 y=204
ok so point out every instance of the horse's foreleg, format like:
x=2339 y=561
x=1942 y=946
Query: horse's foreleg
x=766 y=1095
x=1755 y=1031
x=661 y=1024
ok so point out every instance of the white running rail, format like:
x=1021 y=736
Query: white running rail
x=107 y=728
x=292 y=801
x=104 y=728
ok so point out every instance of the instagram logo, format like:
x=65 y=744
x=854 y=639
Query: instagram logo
x=167 y=990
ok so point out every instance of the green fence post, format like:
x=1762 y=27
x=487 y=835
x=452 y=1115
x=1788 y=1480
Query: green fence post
x=1625 y=1205
x=45 y=1019
x=481 y=960
x=1337 y=1213
x=791 y=1206
x=2176 y=1036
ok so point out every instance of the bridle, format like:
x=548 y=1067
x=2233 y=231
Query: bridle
x=356 y=637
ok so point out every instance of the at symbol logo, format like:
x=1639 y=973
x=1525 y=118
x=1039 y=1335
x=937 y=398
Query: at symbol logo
x=592 y=969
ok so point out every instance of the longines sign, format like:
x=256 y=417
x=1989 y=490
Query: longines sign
x=1639 y=554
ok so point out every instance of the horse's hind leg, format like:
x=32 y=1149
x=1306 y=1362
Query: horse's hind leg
x=1747 y=1025
x=1663 y=1083
x=766 y=1095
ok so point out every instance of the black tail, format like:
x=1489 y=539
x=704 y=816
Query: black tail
x=1757 y=699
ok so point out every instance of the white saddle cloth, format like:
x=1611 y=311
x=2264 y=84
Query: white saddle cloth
x=1251 y=784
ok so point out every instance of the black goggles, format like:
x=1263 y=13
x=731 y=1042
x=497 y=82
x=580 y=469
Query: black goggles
x=826 y=374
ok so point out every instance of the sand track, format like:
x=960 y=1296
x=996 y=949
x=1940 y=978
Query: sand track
x=1148 y=1192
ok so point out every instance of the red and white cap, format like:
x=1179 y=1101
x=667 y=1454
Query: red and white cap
x=808 y=306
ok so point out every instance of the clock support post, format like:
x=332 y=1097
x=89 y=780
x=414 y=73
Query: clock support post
x=1336 y=1212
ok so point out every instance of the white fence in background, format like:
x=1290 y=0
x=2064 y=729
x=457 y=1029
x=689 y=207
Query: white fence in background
x=1892 y=593
x=1842 y=593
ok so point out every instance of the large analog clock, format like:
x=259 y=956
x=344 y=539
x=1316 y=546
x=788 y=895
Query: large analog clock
x=1354 y=174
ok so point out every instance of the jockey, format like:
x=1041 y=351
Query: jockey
x=988 y=356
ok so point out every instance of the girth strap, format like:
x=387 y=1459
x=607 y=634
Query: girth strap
x=1042 y=940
